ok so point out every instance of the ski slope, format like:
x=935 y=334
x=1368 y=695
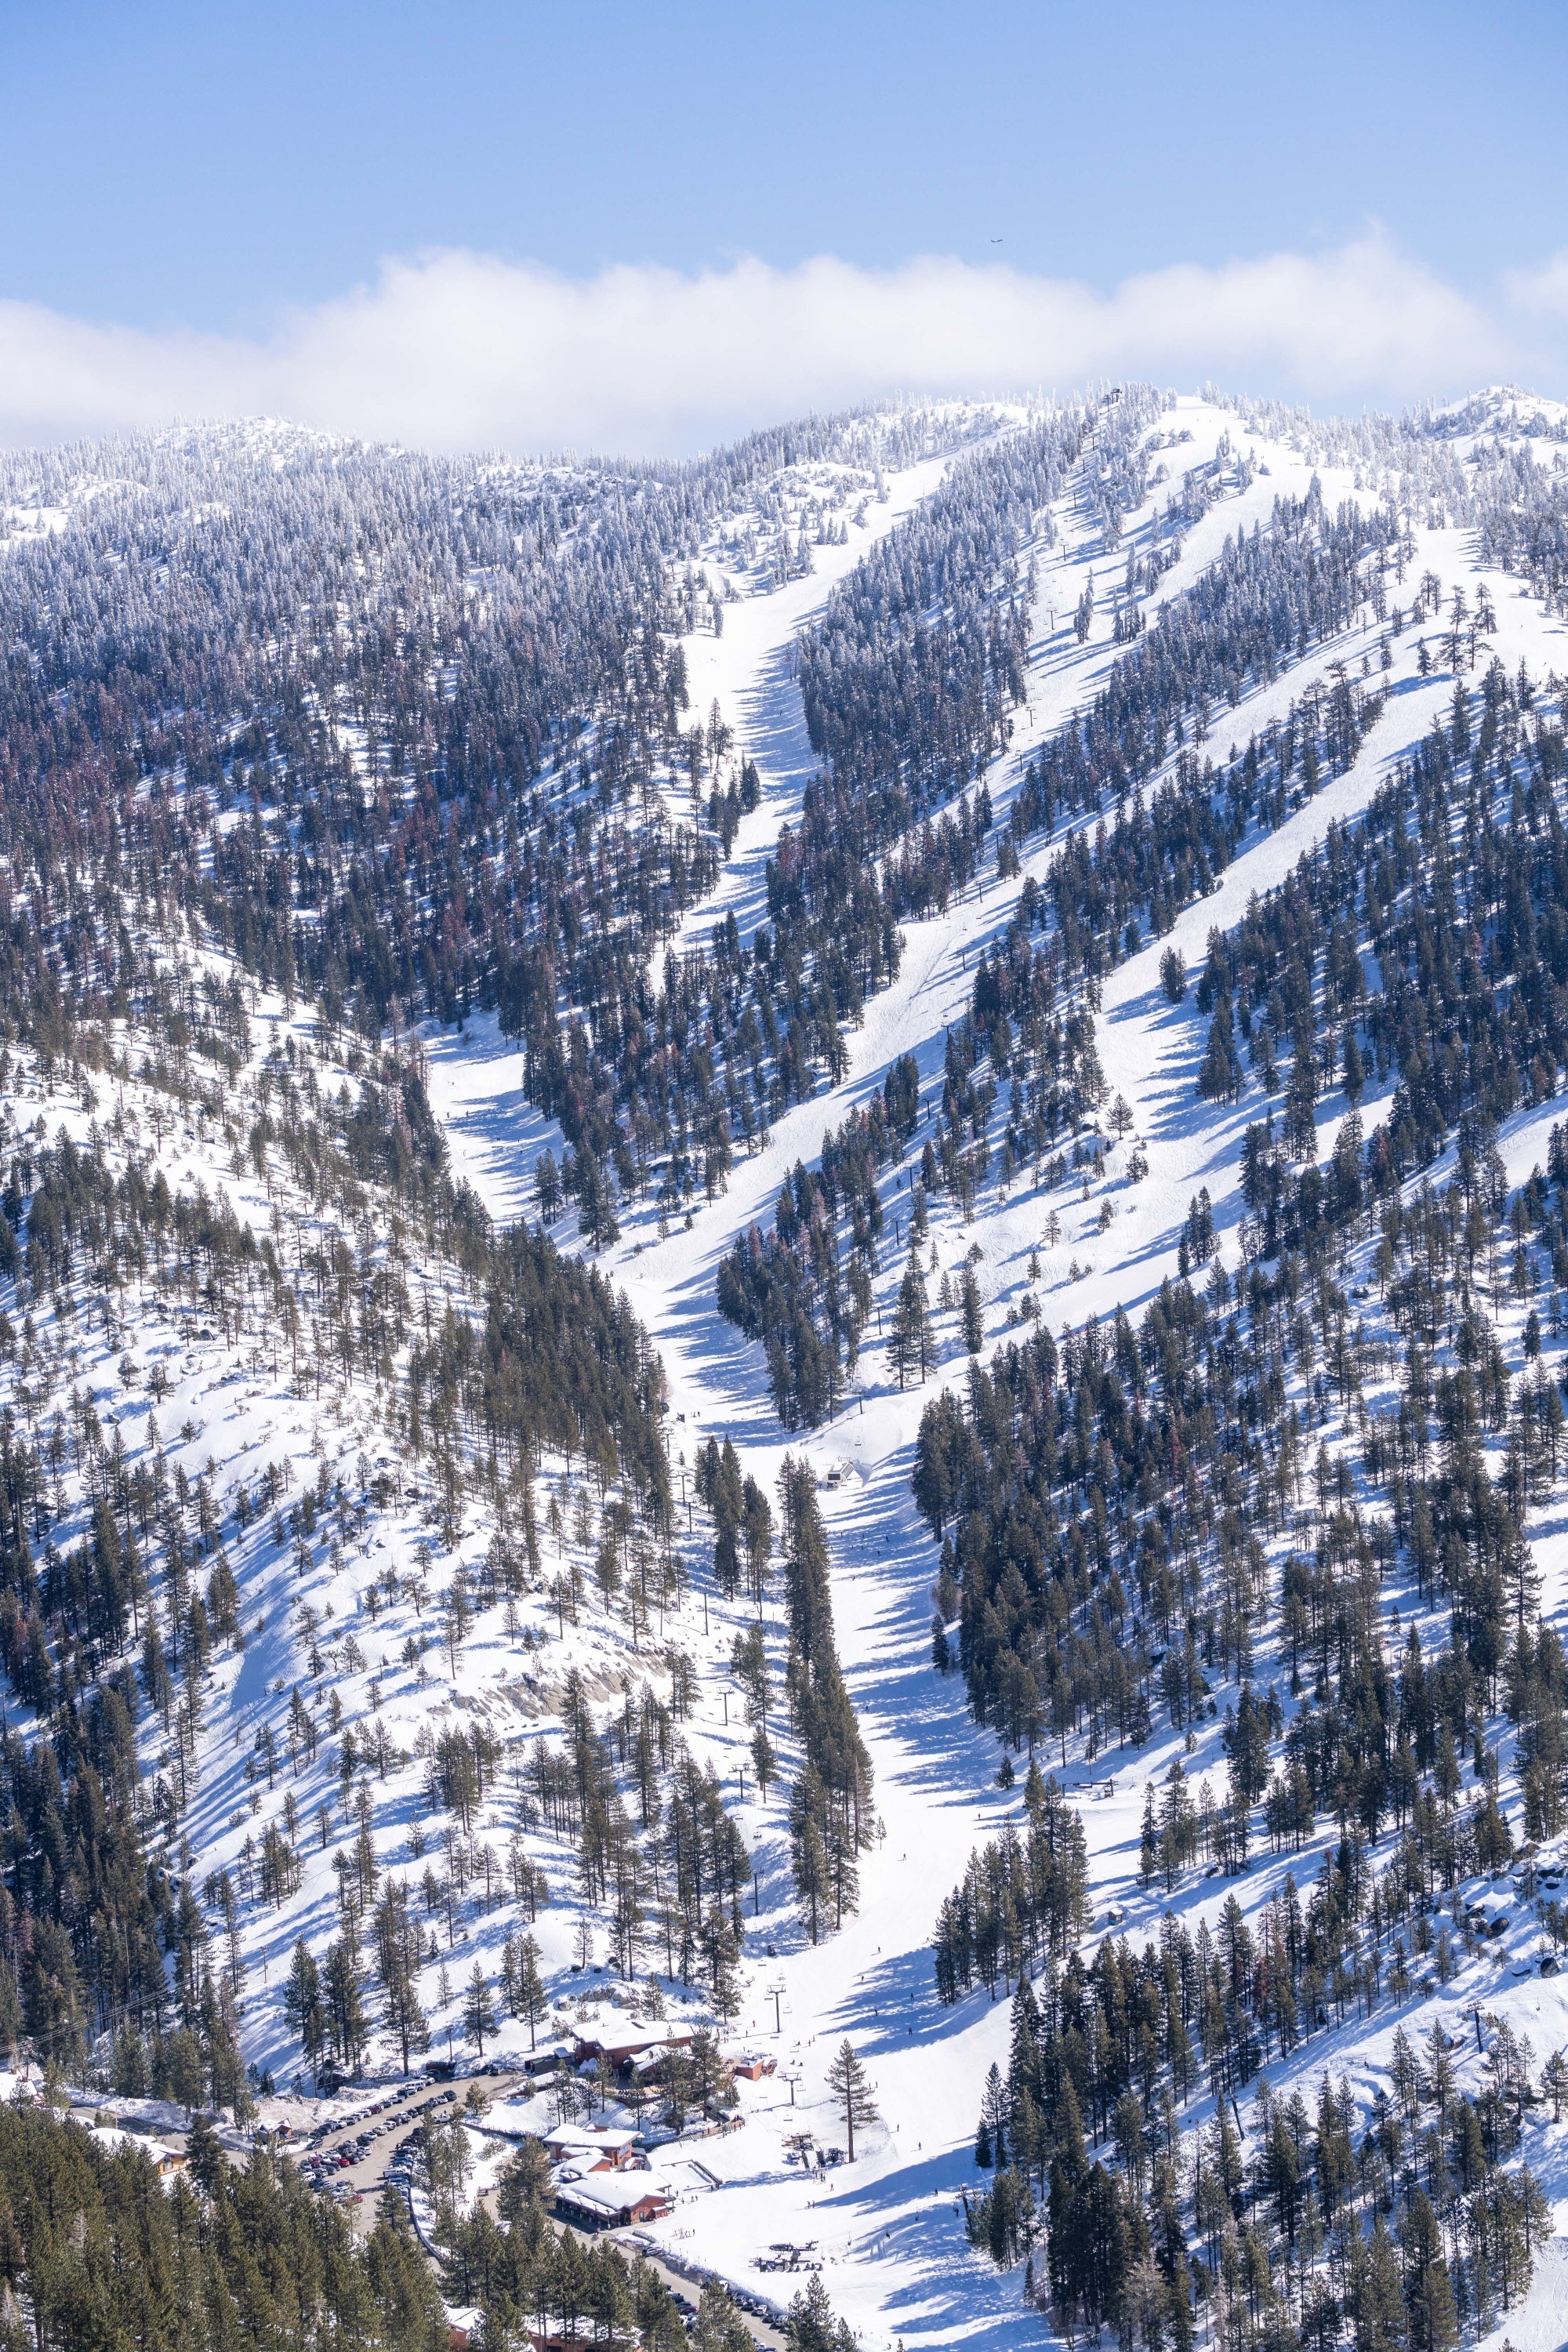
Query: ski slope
x=890 y=2228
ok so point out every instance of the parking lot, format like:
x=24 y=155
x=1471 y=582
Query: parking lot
x=352 y=2158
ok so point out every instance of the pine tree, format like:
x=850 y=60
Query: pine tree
x=1219 y=1078
x=995 y=2114
x=757 y=1528
x=1083 y=615
x=304 y=2007
x=526 y=2189
x=847 y=2079
x=348 y=2025
x=1428 y=2292
x=719 y=2326
x=808 y=1854
x=974 y=1321
x=810 y=2324
x=478 y=2010
x=1148 y=1842
x=396 y=1938
x=595 y=1216
x=912 y=1342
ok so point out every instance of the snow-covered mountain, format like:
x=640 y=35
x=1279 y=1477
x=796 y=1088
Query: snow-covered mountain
x=446 y=908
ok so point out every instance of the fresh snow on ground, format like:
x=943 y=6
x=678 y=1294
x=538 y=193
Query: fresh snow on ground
x=890 y=2228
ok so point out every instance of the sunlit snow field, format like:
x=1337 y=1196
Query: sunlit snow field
x=899 y=2266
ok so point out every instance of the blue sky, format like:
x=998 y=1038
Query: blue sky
x=212 y=179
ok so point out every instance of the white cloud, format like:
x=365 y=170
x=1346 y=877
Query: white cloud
x=1544 y=289
x=460 y=350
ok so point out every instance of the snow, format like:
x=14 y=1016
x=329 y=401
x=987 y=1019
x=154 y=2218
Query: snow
x=494 y=1132
x=890 y=2229
x=748 y=672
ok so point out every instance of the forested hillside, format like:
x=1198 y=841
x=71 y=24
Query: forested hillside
x=782 y=1260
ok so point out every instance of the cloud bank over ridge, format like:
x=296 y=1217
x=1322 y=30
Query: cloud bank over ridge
x=460 y=350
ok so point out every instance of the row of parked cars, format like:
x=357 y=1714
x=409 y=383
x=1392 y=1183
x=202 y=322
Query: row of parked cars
x=325 y=2131
x=321 y=2170
x=738 y=2296
x=320 y=2165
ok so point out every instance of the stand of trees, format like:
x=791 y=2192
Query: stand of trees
x=1269 y=597
x=791 y=1289
x=1127 y=1515
x=1121 y=2165
x=95 y=2248
x=529 y=2277
x=830 y=1816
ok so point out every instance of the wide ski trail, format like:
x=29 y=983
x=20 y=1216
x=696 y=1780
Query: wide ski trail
x=902 y=2268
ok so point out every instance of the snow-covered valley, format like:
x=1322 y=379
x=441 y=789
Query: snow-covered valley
x=893 y=2227
x=429 y=1674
